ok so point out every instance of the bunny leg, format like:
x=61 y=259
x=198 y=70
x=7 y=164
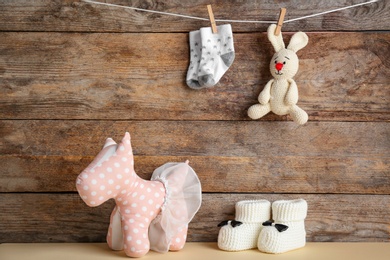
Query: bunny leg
x=179 y=240
x=257 y=111
x=298 y=115
x=115 y=234
x=136 y=241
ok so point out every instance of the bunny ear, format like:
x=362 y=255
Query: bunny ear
x=298 y=41
x=276 y=41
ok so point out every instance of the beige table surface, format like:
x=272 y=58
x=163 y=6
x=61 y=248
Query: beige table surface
x=198 y=251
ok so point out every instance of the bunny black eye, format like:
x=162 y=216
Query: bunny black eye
x=276 y=61
x=284 y=62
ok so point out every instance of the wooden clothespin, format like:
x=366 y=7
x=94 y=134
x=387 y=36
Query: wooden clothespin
x=212 y=20
x=280 y=21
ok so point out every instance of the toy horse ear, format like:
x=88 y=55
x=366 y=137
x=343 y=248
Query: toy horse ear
x=276 y=41
x=109 y=142
x=126 y=138
x=125 y=143
x=298 y=41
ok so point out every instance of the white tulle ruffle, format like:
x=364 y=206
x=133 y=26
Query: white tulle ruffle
x=182 y=201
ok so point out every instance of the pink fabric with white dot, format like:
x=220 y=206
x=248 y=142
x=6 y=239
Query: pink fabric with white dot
x=148 y=214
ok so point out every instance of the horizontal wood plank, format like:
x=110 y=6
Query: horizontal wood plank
x=289 y=174
x=328 y=157
x=142 y=77
x=46 y=15
x=197 y=138
x=65 y=218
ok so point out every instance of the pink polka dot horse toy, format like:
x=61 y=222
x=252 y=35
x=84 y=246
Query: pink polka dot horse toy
x=148 y=214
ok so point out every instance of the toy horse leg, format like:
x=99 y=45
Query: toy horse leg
x=115 y=234
x=257 y=111
x=298 y=115
x=179 y=240
x=136 y=242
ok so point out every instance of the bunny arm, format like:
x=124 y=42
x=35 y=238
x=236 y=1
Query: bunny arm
x=265 y=94
x=292 y=93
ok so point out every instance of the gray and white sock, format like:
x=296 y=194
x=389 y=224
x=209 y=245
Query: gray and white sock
x=217 y=54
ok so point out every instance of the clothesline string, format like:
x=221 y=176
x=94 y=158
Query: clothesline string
x=229 y=21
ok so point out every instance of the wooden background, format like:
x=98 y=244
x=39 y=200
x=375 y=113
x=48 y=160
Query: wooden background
x=73 y=74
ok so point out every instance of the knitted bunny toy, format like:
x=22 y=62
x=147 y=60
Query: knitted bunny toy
x=148 y=214
x=280 y=95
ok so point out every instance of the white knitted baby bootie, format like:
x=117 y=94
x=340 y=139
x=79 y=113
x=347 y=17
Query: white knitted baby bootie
x=243 y=232
x=288 y=230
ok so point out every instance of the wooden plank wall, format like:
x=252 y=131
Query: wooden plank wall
x=73 y=74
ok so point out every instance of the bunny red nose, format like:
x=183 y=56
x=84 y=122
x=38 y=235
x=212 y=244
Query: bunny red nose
x=279 y=66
